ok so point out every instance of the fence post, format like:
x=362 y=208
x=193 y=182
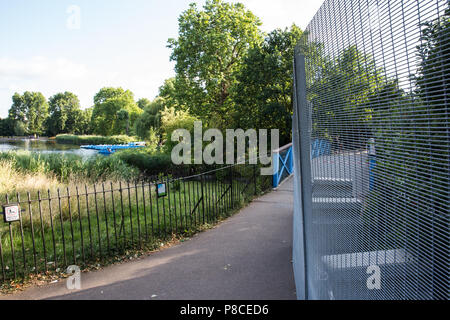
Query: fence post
x=30 y=211
x=71 y=226
x=254 y=179
x=13 y=256
x=42 y=231
x=53 y=231
x=290 y=161
x=62 y=228
x=231 y=182
x=276 y=168
x=2 y=259
x=203 y=199
x=81 y=225
x=304 y=181
x=169 y=204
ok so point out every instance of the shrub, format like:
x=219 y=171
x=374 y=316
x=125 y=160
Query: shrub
x=151 y=163
x=146 y=162
x=109 y=168
x=172 y=120
x=84 y=140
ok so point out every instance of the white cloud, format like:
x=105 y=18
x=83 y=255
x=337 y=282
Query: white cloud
x=66 y=69
x=38 y=73
x=50 y=76
x=39 y=67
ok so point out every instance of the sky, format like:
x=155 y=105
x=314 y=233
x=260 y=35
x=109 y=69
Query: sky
x=81 y=46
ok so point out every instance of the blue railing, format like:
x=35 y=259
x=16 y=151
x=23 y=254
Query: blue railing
x=283 y=159
x=319 y=148
x=283 y=164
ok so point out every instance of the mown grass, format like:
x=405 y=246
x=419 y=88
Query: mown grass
x=90 y=139
x=107 y=220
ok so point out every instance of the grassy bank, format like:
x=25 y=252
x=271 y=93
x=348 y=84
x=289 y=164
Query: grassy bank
x=13 y=180
x=43 y=170
x=86 y=140
x=24 y=171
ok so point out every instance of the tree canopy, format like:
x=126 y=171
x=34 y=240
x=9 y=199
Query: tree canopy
x=172 y=120
x=28 y=113
x=264 y=87
x=65 y=114
x=150 y=119
x=143 y=103
x=208 y=52
x=352 y=73
x=114 y=111
x=168 y=92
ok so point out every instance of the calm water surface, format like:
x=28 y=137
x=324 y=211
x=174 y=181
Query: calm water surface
x=44 y=146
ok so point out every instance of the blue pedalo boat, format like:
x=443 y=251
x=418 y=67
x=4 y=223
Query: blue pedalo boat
x=110 y=149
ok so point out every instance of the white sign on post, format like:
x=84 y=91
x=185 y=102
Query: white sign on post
x=12 y=213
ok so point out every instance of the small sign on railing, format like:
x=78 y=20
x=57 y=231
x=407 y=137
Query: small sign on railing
x=11 y=212
x=162 y=190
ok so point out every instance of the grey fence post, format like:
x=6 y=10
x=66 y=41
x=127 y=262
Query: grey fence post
x=231 y=181
x=254 y=179
x=302 y=153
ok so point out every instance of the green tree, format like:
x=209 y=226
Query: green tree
x=150 y=120
x=20 y=128
x=208 y=52
x=263 y=93
x=433 y=79
x=65 y=114
x=168 y=92
x=106 y=118
x=6 y=127
x=143 y=103
x=172 y=120
x=28 y=112
x=123 y=120
x=83 y=124
x=354 y=74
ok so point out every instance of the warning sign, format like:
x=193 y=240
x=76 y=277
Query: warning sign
x=11 y=212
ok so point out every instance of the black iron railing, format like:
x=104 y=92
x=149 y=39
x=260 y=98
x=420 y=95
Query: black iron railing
x=89 y=224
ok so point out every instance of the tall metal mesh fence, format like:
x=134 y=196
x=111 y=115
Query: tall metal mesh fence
x=372 y=209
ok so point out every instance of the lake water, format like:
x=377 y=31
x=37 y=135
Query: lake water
x=44 y=146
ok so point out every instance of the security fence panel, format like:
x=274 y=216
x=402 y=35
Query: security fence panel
x=375 y=103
